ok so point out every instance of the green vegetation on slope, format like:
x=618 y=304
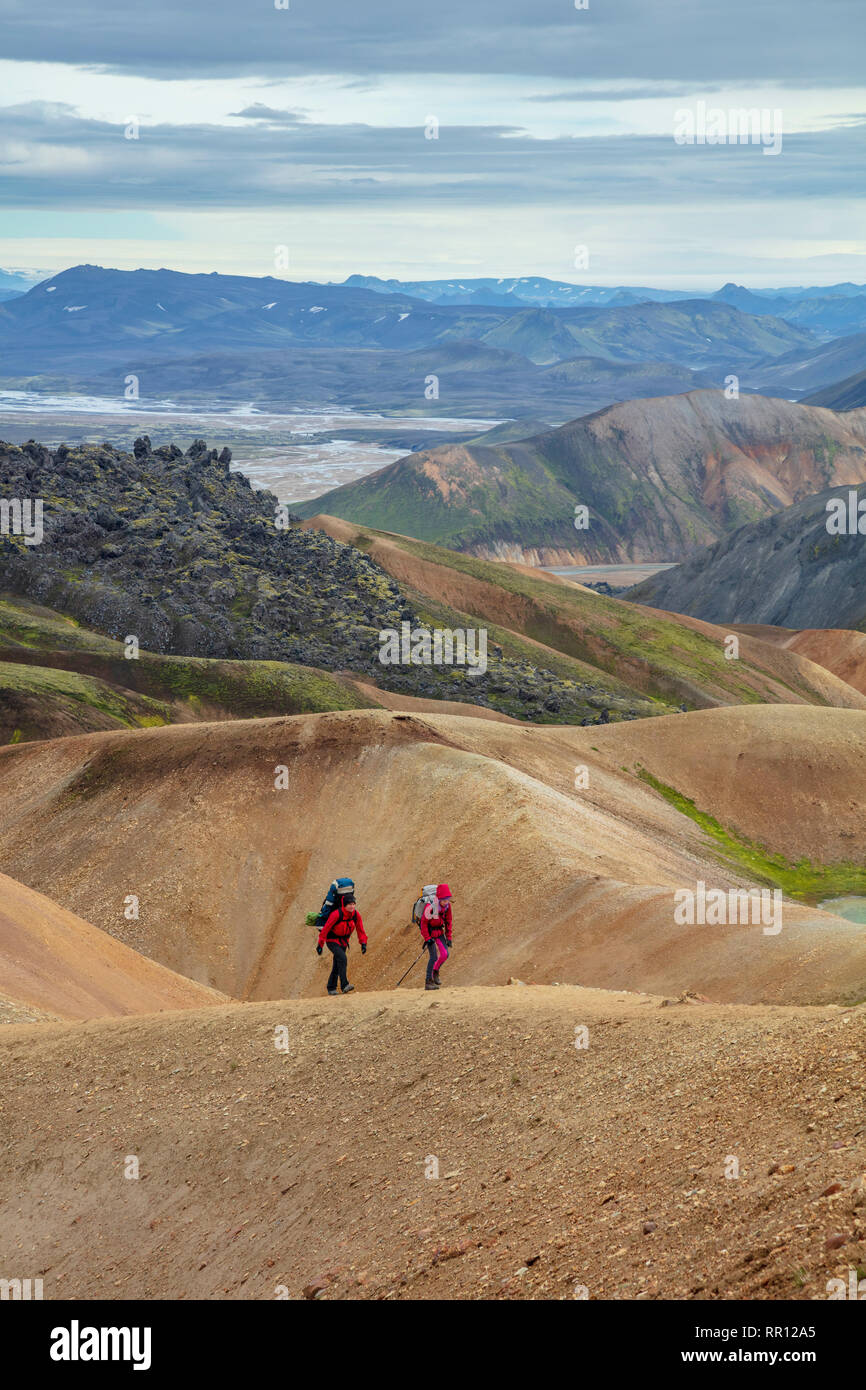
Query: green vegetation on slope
x=181 y=551
x=36 y=702
x=58 y=677
x=589 y=685
x=801 y=880
x=660 y=478
x=661 y=657
x=565 y=691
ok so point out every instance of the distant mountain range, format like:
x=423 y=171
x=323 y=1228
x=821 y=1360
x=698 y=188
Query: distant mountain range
x=832 y=309
x=371 y=345
x=660 y=478
x=830 y=313
x=533 y=290
x=285 y=345
x=14 y=283
x=785 y=571
x=97 y=315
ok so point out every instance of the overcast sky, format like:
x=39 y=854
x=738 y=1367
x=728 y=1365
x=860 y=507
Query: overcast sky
x=306 y=127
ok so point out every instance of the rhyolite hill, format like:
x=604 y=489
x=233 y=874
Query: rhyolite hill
x=661 y=478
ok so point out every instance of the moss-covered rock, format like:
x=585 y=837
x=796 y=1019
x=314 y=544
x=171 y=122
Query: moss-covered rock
x=181 y=553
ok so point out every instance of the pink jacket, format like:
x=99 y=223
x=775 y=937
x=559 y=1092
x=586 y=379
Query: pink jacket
x=436 y=925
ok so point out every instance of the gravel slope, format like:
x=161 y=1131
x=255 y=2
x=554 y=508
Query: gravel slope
x=602 y=1167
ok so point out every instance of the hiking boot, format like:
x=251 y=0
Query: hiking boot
x=431 y=984
x=436 y=977
x=347 y=989
x=332 y=991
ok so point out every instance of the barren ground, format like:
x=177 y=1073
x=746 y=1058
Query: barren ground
x=558 y=1167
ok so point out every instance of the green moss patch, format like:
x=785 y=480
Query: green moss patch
x=801 y=879
x=58 y=678
x=48 y=695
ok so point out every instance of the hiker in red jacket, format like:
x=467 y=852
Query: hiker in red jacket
x=436 y=930
x=335 y=935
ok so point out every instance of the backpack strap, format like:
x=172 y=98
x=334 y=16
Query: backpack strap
x=342 y=917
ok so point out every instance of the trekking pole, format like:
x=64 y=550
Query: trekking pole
x=411 y=967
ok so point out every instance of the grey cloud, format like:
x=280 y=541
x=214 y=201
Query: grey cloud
x=687 y=40
x=637 y=93
x=269 y=163
x=259 y=112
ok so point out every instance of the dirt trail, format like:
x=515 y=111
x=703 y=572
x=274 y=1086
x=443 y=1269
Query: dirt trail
x=226 y=862
x=603 y=1167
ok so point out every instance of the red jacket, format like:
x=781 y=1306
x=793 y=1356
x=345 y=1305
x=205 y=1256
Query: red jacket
x=436 y=926
x=339 y=928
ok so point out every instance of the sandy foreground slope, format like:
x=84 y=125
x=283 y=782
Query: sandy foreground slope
x=54 y=964
x=602 y=1168
x=488 y=1141
x=551 y=883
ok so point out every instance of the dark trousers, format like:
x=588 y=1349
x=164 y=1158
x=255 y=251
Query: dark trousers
x=339 y=966
x=437 y=955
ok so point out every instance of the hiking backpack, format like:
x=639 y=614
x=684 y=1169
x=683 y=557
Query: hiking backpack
x=338 y=890
x=428 y=895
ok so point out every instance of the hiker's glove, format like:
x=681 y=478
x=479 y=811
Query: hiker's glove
x=363 y=950
x=450 y=945
x=318 y=950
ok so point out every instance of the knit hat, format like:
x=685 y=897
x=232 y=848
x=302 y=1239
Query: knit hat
x=443 y=891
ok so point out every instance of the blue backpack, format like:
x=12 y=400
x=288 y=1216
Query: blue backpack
x=338 y=890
